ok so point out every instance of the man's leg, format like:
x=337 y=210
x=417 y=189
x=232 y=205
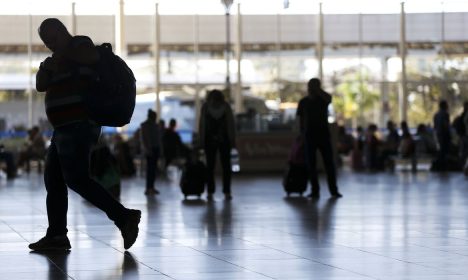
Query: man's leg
x=210 y=153
x=311 y=161
x=225 y=155
x=57 y=205
x=150 y=172
x=57 y=194
x=329 y=164
x=74 y=144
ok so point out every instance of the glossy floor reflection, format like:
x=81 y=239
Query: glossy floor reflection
x=388 y=226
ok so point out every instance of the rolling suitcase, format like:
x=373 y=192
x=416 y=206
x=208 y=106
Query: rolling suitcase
x=193 y=179
x=295 y=178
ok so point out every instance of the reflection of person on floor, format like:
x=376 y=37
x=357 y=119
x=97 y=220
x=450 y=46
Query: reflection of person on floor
x=67 y=162
x=312 y=112
x=151 y=147
x=217 y=133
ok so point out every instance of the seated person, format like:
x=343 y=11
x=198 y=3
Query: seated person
x=425 y=141
x=8 y=159
x=407 y=147
x=345 y=141
x=35 y=148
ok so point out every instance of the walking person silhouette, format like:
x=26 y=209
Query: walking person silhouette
x=313 y=117
x=67 y=162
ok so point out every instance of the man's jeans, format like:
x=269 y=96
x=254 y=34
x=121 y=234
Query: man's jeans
x=67 y=164
x=151 y=168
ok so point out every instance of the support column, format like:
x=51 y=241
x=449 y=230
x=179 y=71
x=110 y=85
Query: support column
x=120 y=43
x=403 y=96
x=30 y=82
x=443 y=53
x=73 y=19
x=157 y=57
x=278 y=54
x=385 y=111
x=196 y=44
x=238 y=108
x=319 y=49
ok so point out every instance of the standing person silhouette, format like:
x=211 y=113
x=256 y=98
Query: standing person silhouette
x=217 y=133
x=67 y=162
x=312 y=112
x=151 y=147
x=442 y=130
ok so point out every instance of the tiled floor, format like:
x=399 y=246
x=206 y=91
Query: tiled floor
x=388 y=226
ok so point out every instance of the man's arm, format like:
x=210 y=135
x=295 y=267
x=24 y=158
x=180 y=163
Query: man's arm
x=325 y=96
x=44 y=75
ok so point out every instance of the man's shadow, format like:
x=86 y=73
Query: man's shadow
x=316 y=221
x=57 y=261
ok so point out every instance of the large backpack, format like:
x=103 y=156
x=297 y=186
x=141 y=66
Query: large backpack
x=111 y=100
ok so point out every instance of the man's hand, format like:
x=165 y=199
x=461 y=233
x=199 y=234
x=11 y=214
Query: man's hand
x=49 y=64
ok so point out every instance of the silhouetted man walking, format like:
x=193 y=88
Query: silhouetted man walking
x=313 y=116
x=151 y=147
x=67 y=162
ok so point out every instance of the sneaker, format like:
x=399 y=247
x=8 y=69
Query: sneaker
x=314 y=195
x=129 y=229
x=336 y=195
x=59 y=242
x=151 y=191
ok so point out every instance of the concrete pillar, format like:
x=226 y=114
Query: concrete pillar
x=403 y=95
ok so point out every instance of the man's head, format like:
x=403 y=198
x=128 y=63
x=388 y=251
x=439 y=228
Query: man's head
x=54 y=34
x=152 y=115
x=172 y=124
x=390 y=125
x=443 y=105
x=313 y=86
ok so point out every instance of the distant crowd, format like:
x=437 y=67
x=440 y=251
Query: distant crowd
x=443 y=143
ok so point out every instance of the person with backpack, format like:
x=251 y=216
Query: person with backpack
x=217 y=134
x=312 y=113
x=75 y=133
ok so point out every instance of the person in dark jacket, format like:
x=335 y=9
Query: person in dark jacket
x=172 y=143
x=74 y=135
x=151 y=148
x=312 y=112
x=217 y=134
x=442 y=130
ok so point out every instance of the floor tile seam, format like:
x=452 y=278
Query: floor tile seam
x=123 y=252
x=300 y=257
x=214 y=257
x=410 y=262
x=440 y=250
x=15 y=231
